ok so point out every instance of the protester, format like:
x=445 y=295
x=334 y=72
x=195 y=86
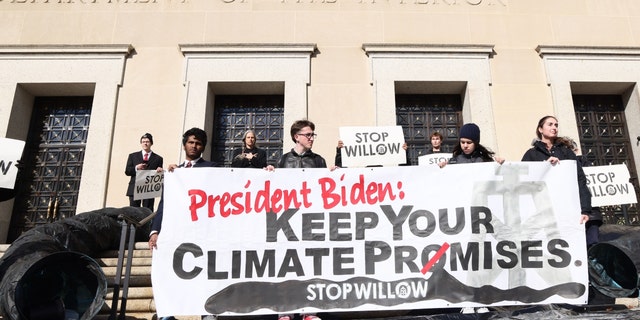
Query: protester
x=301 y=156
x=142 y=160
x=249 y=155
x=194 y=142
x=337 y=161
x=549 y=147
x=436 y=143
x=591 y=227
x=469 y=149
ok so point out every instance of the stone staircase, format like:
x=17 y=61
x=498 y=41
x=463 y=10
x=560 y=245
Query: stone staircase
x=140 y=304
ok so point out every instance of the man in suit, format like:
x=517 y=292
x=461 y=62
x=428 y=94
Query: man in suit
x=194 y=142
x=142 y=160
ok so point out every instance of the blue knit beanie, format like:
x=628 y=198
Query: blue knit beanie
x=471 y=132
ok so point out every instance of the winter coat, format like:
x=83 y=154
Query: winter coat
x=561 y=151
x=476 y=156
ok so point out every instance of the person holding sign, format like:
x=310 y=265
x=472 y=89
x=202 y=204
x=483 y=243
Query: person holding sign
x=249 y=155
x=469 y=149
x=194 y=142
x=592 y=227
x=436 y=143
x=301 y=156
x=142 y=160
x=550 y=147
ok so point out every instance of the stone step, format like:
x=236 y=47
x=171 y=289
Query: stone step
x=135 y=271
x=133 y=305
x=140 y=303
x=133 y=293
x=113 y=262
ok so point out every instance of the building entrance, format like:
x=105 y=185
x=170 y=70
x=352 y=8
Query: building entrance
x=47 y=185
x=422 y=114
x=234 y=114
x=604 y=140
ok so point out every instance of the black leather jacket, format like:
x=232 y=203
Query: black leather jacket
x=306 y=160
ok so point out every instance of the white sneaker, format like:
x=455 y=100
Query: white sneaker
x=482 y=310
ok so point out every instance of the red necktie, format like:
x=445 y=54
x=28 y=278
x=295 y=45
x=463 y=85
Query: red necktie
x=188 y=165
x=146 y=157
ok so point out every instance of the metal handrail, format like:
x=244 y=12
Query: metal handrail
x=130 y=224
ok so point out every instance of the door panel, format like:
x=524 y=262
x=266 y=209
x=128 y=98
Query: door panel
x=422 y=114
x=604 y=141
x=48 y=184
x=234 y=114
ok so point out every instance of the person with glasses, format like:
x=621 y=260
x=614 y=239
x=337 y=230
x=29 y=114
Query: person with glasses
x=301 y=155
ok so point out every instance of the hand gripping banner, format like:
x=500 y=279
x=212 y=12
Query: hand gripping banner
x=243 y=241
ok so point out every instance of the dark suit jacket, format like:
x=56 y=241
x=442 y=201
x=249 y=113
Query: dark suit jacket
x=156 y=224
x=133 y=160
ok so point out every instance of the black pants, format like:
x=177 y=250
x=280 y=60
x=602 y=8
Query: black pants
x=147 y=203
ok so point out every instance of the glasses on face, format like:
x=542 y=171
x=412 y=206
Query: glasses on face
x=309 y=135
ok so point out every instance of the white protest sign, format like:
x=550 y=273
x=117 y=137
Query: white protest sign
x=365 y=146
x=609 y=185
x=10 y=153
x=148 y=184
x=243 y=241
x=433 y=159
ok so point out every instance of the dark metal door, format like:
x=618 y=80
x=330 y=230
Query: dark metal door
x=605 y=140
x=48 y=184
x=234 y=114
x=422 y=114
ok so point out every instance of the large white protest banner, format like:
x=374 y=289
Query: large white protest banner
x=10 y=153
x=367 y=146
x=242 y=241
x=433 y=159
x=609 y=185
x=148 y=184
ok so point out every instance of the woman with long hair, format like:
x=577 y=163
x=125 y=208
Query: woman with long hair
x=550 y=147
x=249 y=155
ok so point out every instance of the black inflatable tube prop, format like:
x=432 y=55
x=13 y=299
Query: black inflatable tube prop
x=614 y=262
x=49 y=270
